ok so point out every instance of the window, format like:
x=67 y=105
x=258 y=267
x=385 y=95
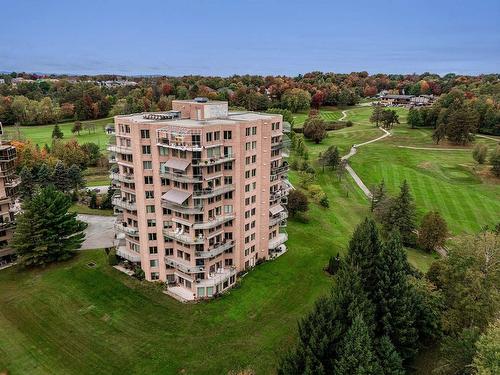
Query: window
x=153 y=263
x=149 y=194
x=150 y=209
x=153 y=250
x=146 y=150
x=169 y=251
x=144 y=133
x=209 y=137
x=247 y=132
x=147 y=164
x=148 y=180
x=152 y=236
x=216 y=136
x=163 y=151
x=155 y=276
x=254 y=130
x=151 y=223
x=228 y=134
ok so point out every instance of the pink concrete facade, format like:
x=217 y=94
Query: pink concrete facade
x=9 y=183
x=202 y=194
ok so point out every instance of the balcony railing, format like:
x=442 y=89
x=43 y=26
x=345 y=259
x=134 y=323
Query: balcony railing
x=128 y=178
x=284 y=168
x=215 y=251
x=280 y=239
x=120 y=149
x=124 y=203
x=184 y=267
x=218 y=277
x=213 y=160
x=213 y=192
x=213 y=222
x=278 y=219
x=182 y=209
x=178 y=235
x=131 y=231
x=13 y=183
x=180 y=177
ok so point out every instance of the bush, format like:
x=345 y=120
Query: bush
x=139 y=273
x=324 y=202
x=112 y=258
x=301 y=217
x=348 y=124
x=297 y=202
x=333 y=264
x=479 y=153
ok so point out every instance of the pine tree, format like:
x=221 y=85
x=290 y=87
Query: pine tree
x=46 y=232
x=402 y=215
x=378 y=195
x=388 y=358
x=44 y=175
x=57 y=132
x=321 y=332
x=355 y=354
x=364 y=249
x=75 y=178
x=27 y=187
x=60 y=177
x=393 y=298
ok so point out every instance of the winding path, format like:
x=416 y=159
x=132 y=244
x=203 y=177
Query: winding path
x=344 y=115
x=351 y=171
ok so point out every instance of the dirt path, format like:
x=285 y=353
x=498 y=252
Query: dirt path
x=435 y=148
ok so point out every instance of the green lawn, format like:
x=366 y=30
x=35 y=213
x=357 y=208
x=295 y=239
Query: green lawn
x=327 y=113
x=96 y=176
x=73 y=319
x=82 y=209
x=41 y=134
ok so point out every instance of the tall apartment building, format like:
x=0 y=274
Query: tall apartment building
x=201 y=193
x=8 y=205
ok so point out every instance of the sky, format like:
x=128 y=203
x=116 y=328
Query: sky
x=225 y=37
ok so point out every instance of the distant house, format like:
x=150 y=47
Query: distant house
x=396 y=100
x=2 y=81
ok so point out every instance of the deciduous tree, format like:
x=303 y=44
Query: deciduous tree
x=433 y=231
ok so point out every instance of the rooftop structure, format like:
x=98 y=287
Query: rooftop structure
x=202 y=194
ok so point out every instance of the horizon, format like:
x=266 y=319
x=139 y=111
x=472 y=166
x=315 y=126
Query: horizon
x=223 y=38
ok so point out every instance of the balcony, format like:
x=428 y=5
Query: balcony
x=180 y=138
x=184 y=267
x=13 y=183
x=130 y=255
x=122 y=202
x=287 y=127
x=213 y=192
x=181 y=177
x=120 y=149
x=131 y=231
x=181 y=208
x=214 y=160
x=278 y=219
x=215 y=251
x=213 y=222
x=178 y=234
x=280 y=239
x=284 y=168
x=116 y=176
x=285 y=143
x=218 y=277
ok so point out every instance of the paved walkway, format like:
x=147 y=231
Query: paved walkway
x=99 y=233
x=351 y=171
x=344 y=115
x=488 y=137
x=435 y=148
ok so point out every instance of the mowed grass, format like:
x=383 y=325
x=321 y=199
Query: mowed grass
x=444 y=181
x=42 y=134
x=327 y=113
x=73 y=319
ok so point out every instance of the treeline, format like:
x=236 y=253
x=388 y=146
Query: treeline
x=457 y=115
x=82 y=98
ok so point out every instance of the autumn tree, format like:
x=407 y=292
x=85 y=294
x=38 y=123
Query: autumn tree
x=433 y=231
x=315 y=129
x=77 y=127
x=297 y=202
x=296 y=100
x=389 y=118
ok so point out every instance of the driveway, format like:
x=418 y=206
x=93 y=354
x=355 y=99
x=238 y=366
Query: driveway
x=99 y=233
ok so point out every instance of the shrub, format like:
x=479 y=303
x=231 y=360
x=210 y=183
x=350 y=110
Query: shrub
x=495 y=161
x=333 y=264
x=297 y=202
x=348 y=124
x=324 y=202
x=479 y=153
x=112 y=258
x=139 y=273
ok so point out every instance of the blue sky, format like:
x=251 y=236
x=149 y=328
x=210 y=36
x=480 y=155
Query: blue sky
x=224 y=37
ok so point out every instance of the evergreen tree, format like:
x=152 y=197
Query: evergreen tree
x=330 y=158
x=60 y=177
x=75 y=178
x=57 y=132
x=393 y=299
x=402 y=215
x=93 y=200
x=44 y=175
x=321 y=332
x=364 y=249
x=388 y=358
x=378 y=195
x=333 y=264
x=377 y=115
x=27 y=187
x=46 y=232
x=355 y=353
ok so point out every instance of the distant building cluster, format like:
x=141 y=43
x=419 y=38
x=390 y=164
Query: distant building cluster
x=389 y=100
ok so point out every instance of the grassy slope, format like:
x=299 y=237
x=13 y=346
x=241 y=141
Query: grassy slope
x=327 y=113
x=41 y=134
x=75 y=320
